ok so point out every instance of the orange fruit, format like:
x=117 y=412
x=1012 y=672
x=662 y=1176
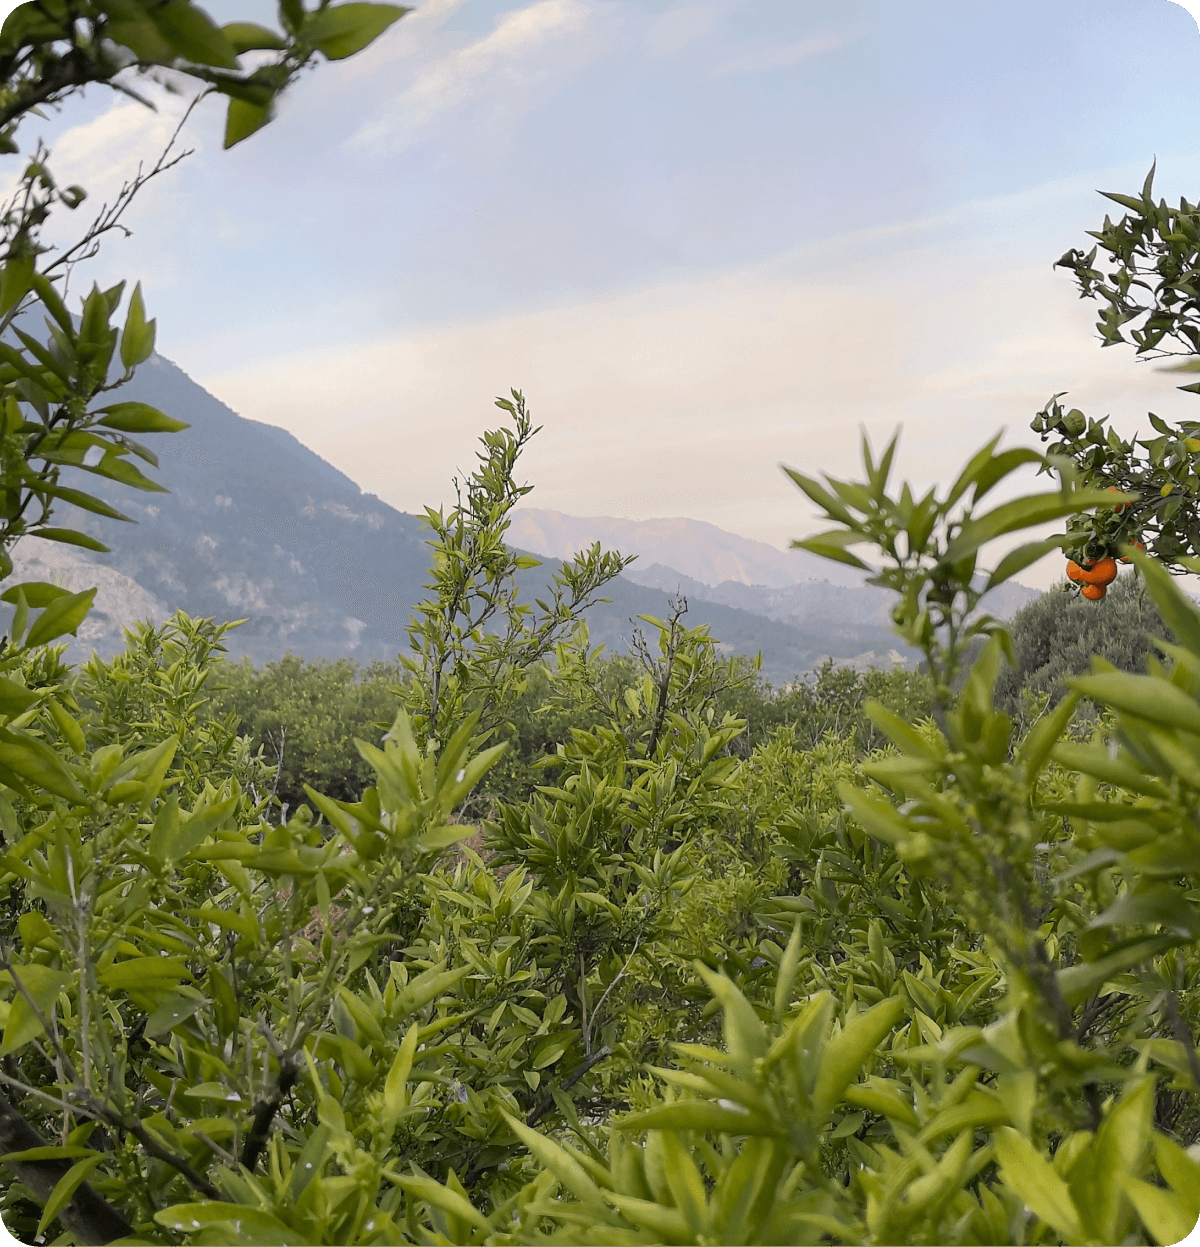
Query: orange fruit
x=1101 y=572
x=1094 y=593
x=1075 y=572
x=1120 y=506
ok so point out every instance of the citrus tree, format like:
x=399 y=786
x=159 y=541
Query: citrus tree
x=1143 y=271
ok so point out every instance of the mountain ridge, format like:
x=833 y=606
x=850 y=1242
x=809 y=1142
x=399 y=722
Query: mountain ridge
x=258 y=527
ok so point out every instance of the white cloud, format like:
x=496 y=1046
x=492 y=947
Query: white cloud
x=102 y=153
x=682 y=398
x=449 y=81
x=779 y=58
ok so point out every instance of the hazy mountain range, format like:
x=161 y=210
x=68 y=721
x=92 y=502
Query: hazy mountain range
x=258 y=527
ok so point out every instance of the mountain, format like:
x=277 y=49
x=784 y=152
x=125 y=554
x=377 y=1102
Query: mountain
x=699 y=550
x=257 y=527
x=813 y=602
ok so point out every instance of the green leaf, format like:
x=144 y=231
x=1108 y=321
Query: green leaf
x=788 y=965
x=549 y=1050
x=745 y=1035
x=250 y=37
x=343 y=29
x=821 y=496
x=1026 y=512
x=244 y=1222
x=1177 y=611
x=1037 y=1184
x=1078 y=982
x=702 y=1115
x=563 y=1165
x=1166 y=1215
x=846 y=1054
x=38 y=593
x=1019 y=559
x=65 y=1187
x=62 y=616
x=130 y=27
x=15 y=698
x=38 y=764
x=139 y=418
x=967 y=477
x=244 y=118
x=1143 y=697
x=137 y=338
x=1155 y=903
x=193 y=34
x=1035 y=749
x=395 y=1090
x=172 y=1010
x=144 y=973
x=44 y=985
x=433 y=1192
x=86 y=502
x=1180 y=1170
x=831 y=545
x=999 y=466
x=68 y=536
x=116 y=468
x=16 y=278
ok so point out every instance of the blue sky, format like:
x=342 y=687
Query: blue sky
x=703 y=238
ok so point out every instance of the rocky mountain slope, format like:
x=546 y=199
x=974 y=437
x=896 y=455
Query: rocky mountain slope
x=700 y=551
x=257 y=527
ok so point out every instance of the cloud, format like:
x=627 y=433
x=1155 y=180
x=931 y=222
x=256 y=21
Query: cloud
x=779 y=58
x=681 y=398
x=446 y=83
x=680 y=27
x=102 y=153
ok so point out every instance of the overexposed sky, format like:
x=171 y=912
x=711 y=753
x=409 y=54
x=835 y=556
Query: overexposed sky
x=703 y=238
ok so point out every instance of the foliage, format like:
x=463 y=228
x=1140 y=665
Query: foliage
x=696 y=985
x=304 y=717
x=1149 y=301
x=1056 y=636
x=472 y=640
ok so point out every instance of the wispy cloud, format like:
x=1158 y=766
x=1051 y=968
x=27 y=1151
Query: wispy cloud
x=763 y=59
x=681 y=398
x=680 y=27
x=450 y=81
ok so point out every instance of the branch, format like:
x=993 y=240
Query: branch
x=1183 y=1036
x=543 y=1105
x=87 y=1216
x=264 y=1111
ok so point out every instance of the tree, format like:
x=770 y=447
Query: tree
x=1150 y=300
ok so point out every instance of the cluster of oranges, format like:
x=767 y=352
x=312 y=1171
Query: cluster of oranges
x=1096 y=575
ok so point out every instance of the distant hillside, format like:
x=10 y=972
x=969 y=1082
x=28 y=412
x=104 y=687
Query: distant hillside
x=699 y=550
x=258 y=527
x=813 y=602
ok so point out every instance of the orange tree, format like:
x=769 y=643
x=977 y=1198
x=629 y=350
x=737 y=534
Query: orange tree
x=1144 y=270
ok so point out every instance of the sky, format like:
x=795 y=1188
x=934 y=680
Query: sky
x=704 y=239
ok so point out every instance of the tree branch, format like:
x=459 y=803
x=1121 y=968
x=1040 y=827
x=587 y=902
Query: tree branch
x=543 y=1105
x=87 y=1216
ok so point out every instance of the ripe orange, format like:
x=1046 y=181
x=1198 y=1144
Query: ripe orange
x=1094 y=592
x=1101 y=572
x=1075 y=572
